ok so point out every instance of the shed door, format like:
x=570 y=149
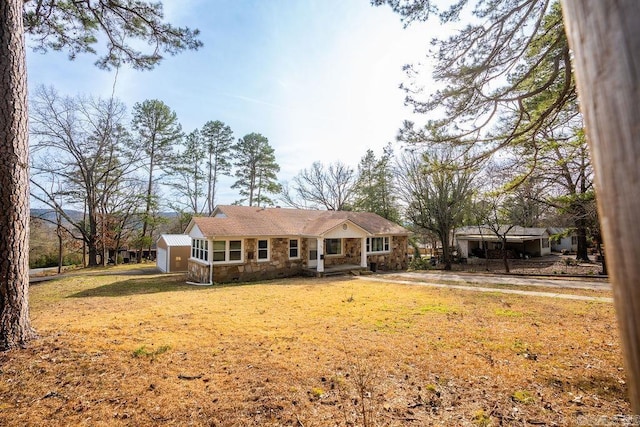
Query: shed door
x=161 y=260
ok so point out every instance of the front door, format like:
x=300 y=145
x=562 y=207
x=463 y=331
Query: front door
x=312 y=245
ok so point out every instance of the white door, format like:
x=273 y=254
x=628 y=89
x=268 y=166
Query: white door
x=161 y=260
x=312 y=245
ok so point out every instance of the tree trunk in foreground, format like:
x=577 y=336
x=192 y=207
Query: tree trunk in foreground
x=15 y=326
x=605 y=38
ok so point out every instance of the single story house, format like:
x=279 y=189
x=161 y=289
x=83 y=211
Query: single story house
x=521 y=241
x=249 y=243
x=563 y=239
x=173 y=251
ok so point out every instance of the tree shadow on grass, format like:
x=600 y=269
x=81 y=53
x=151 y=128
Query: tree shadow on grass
x=178 y=283
x=143 y=285
x=598 y=384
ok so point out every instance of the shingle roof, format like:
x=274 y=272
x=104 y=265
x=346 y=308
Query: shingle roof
x=254 y=221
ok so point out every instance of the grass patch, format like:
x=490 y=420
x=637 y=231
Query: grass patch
x=334 y=351
x=507 y=312
x=143 y=352
x=523 y=396
x=436 y=308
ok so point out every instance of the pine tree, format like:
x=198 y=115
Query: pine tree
x=256 y=170
x=188 y=175
x=374 y=188
x=158 y=132
x=218 y=139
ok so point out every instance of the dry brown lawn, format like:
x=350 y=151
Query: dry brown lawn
x=118 y=348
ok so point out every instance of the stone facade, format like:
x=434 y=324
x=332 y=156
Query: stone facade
x=279 y=264
x=198 y=273
x=395 y=259
x=351 y=248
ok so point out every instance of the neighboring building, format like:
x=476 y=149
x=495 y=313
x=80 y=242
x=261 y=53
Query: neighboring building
x=249 y=243
x=521 y=242
x=173 y=251
x=563 y=239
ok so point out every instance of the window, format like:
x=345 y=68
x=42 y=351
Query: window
x=574 y=240
x=545 y=243
x=377 y=244
x=293 y=249
x=333 y=246
x=219 y=251
x=235 y=250
x=263 y=250
x=227 y=251
x=200 y=249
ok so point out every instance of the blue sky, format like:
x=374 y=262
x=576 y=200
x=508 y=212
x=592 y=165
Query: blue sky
x=318 y=78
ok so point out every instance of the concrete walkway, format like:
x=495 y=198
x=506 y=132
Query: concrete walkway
x=449 y=280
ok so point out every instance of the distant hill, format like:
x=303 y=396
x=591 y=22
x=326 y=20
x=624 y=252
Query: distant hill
x=49 y=215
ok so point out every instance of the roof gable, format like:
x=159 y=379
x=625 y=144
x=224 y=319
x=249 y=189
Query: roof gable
x=344 y=229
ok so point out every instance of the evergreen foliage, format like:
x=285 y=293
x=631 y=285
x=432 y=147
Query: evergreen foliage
x=218 y=140
x=374 y=191
x=256 y=170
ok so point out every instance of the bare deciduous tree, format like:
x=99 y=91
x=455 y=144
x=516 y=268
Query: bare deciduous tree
x=437 y=193
x=79 y=141
x=331 y=187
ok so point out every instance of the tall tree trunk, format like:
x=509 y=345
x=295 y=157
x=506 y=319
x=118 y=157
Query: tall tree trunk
x=505 y=260
x=91 y=238
x=60 y=245
x=145 y=221
x=15 y=326
x=210 y=185
x=605 y=38
x=446 y=256
x=92 y=251
x=581 y=233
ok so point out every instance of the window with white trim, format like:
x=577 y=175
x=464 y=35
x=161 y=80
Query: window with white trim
x=219 y=250
x=200 y=249
x=333 y=246
x=235 y=250
x=294 y=248
x=545 y=243
x=227 y=251
x=377 y=244
x=263 y=250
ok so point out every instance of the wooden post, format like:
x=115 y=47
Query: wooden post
x=605 y=39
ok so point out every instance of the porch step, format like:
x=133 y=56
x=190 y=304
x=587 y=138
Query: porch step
x=354 y=272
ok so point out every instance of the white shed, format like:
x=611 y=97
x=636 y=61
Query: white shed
x=173 y=251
